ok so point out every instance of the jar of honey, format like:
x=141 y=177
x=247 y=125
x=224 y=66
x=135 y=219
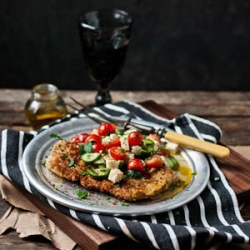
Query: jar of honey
x=44 y=106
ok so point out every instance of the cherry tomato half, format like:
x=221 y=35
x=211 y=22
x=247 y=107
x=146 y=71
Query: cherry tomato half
x=163 y=152
x=106 y=129
x=135 y=138
x=98 y=147
x=135 y=164
x=117 y=153
x=93 y=138
x=79 y=138
x=154 y=161
x=111 y=143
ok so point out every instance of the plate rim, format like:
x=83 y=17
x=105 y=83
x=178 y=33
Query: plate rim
x=78 y=206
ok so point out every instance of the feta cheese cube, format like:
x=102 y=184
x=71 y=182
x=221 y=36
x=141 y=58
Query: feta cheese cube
x=156 y=145
x=124 y=143
x=115 y=175
x=111 y=163
x=113 y=136
x=129 y=156
x=172 y=147
x=106 y=140
x=135 y=150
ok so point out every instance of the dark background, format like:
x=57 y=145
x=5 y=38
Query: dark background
x=175 y=44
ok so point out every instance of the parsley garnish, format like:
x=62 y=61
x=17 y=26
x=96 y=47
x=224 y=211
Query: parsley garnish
x=64 y=156
x=124 y=204
x=84 y=173
x=82 y=194
x=86 y=148
x=43 y=163
x=71 y=162
x=56 y=136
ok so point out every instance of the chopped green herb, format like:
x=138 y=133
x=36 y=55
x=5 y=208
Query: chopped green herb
x=217 y=178
x=194 y=173
x=84 y=173
x=118 y=185
x=71 y=162
x=124 y=204
x=64 y=156
x=43 y=163
x=82 y=194
x=172 y=187
x=133 y=173
x=86 y=148
x=119 y=132
x=56 y=136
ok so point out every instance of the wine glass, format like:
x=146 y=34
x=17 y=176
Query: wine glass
x=105 y=35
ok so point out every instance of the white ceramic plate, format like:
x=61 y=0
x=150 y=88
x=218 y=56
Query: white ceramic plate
x=64 y=192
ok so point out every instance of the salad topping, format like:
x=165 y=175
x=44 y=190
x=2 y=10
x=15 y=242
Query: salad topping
x=114 y=154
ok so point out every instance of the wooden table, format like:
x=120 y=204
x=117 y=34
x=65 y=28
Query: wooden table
x=230 y=110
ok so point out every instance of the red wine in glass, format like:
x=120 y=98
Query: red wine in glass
x=105 y=38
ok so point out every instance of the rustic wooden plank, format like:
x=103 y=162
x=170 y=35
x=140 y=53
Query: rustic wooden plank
x=222 y=109
x=169 y=97
x=10 y=118
x=239 y=137
x=182 y=101
x=16 y=127
x=174 y=97
x=229 y=110
x=11 y=241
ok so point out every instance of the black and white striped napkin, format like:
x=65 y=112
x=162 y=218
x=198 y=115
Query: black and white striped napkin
x=213 y=217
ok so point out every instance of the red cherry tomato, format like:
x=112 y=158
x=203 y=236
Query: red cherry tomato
x=106 y=129
x=98 y=147
x=135 y=164
x=93 y=138
x=154 y=161
x=83 y=136
x=111 y=143
x=135 y=138
x=163 y=152
x=79 y=138
x=117 y=153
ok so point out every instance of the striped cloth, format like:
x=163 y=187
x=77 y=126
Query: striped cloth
x=213 y=217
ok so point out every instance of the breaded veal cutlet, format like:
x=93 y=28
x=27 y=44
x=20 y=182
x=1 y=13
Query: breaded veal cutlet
x=153 y=181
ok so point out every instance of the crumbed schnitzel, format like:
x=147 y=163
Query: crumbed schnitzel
x=65 y=161
x=131 y=189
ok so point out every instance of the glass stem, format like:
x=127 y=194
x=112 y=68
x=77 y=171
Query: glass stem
x=103 y=95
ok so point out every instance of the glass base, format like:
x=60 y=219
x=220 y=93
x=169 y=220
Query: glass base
x=103 y=96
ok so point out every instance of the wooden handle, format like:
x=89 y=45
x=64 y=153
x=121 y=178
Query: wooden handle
x=199 y=145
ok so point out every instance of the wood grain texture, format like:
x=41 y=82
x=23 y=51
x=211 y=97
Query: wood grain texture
x=230 y=110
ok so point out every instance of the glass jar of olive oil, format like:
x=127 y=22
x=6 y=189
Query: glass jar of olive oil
x=44 y=106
